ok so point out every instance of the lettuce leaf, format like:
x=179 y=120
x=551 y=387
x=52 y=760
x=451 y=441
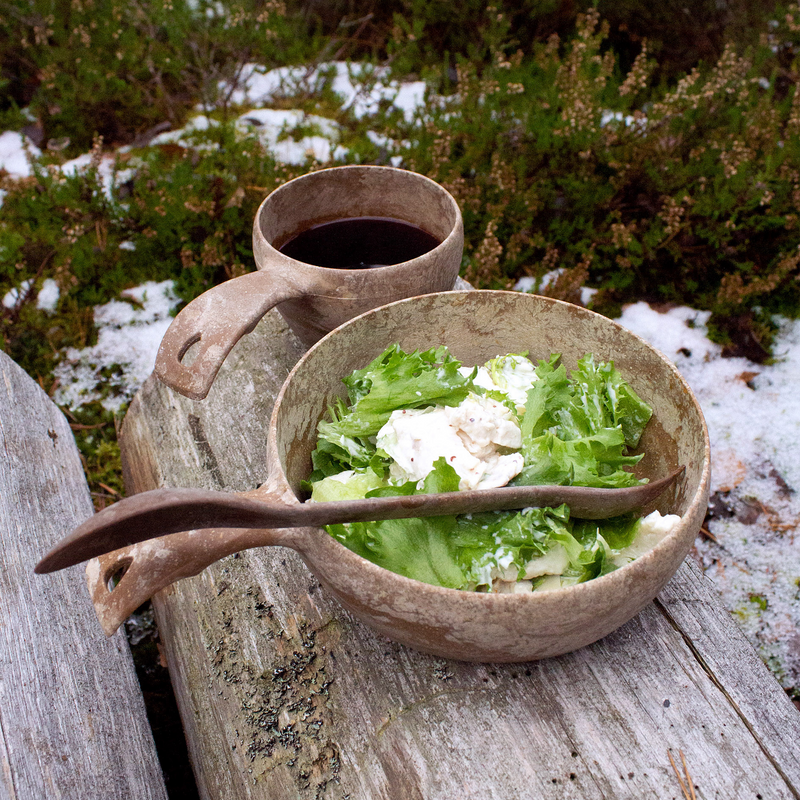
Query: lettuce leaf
x=501 y=540
x=458 y=552
x=572 y=430
x=422 y=549
x=468 y=551
x=602 y=399
x=575 y=430
x=347 y=485
x=392 y=381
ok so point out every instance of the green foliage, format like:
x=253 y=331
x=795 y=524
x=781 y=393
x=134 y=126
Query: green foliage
x=643 y=168
x=191 y=217
x=116 y=68
x=95 y=434
x=685 y=193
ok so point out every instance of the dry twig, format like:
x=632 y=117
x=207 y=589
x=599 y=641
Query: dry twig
x=707 y=533
x=687 y=787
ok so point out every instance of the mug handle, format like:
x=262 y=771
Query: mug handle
x=213 y=323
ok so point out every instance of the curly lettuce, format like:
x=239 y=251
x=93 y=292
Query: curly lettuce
x=576 y=429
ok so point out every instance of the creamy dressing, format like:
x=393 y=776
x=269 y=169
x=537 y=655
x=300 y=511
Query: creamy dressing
x=652 y=529
x=472 y=437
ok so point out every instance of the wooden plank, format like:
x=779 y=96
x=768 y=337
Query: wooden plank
x=284 y=695
x=692 y=604
x=72 y=718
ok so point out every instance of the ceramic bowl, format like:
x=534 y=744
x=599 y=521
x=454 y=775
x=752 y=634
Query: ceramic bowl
x=477 y=326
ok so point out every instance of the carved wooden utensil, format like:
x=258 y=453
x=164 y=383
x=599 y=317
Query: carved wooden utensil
x=153 y=514
x=475 y=326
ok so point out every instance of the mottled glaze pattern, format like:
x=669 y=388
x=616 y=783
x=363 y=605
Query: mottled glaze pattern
x=313 y=300
x=477 y=326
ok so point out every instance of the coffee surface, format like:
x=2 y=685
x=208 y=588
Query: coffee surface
x=359 y=243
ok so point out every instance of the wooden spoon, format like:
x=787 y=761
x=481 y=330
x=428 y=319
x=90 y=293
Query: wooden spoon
x=162 y=511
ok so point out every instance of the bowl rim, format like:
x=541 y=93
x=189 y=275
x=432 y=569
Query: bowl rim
x=620 y=575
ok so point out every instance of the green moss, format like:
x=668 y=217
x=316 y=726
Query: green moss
x=759 y=601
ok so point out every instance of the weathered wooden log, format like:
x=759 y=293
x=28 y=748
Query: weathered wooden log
x=284 y=695
x=72 y=716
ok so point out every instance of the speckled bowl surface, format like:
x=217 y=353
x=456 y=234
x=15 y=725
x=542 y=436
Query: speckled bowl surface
x=477 y=326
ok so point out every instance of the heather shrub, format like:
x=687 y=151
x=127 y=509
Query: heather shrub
x=581 y=154
x=675 y=194
x=117 y=69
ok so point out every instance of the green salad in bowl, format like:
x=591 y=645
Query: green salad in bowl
x=421 y=422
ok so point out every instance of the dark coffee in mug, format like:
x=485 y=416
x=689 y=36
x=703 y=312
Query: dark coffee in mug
x=359 y=243
x=347 y=219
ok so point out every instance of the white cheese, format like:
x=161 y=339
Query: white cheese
x=482 y=379
x=652 y=529
x=471 y=438
x=513 y=375
x=484 y=425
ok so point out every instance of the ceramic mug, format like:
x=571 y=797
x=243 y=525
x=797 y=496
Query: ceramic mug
x=314 y=300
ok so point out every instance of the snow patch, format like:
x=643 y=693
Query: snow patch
x=14 y=150
x=128 y=338
x=753 y=417
x=49 y=294
x=361 y=88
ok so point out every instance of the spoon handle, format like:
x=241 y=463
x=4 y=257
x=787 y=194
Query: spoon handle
x=584 y=501
x=153 y=514
x=162 y=511
x=120 y=581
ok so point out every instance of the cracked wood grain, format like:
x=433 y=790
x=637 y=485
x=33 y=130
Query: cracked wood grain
x=284 y=695
x=72 y=718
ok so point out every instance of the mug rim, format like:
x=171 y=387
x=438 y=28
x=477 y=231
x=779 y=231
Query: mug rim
x=456 y=231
